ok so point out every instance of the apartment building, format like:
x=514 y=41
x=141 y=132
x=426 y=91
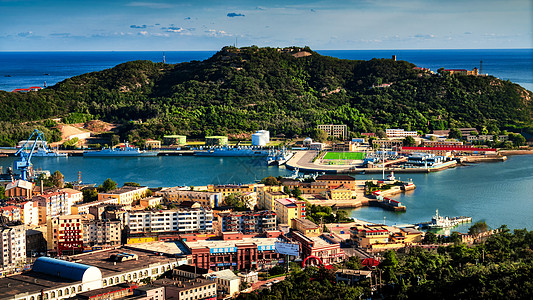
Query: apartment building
x=400 y=133
x=183 y=220
x=52 y=204
x=102 y=233
x=287 y=209
x=65 y=234
x=178 y=195
x=125 y=195
x=338 y=131
x=12 y=245
x=248 y=221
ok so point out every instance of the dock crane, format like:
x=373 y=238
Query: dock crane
x=24 y=163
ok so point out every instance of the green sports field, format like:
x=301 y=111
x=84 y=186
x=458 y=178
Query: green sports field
x=345 y=155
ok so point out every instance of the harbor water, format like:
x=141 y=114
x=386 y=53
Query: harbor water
x=497 y=193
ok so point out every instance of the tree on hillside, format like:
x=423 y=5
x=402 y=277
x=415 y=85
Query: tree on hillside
x=131 y=184
x=108 y=185
x=381 y=134
x=57 y=179
x=478 y=228
x=409 y=141
x=321 y=135
x=455 y=133
x=270 y=181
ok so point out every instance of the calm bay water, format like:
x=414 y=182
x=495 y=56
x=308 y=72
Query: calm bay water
x=25 y=69
x=498 y=193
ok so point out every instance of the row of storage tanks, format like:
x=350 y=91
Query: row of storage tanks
x=261 y=138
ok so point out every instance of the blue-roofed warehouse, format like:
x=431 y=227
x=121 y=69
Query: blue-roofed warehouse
x=90 y=277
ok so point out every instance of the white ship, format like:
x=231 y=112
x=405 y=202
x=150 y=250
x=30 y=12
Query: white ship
x=127 y=151
x=440 y=222
x=41 y=152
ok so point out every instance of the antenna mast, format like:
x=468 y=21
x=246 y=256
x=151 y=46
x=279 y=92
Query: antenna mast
x=481 y=67
x=164 y=60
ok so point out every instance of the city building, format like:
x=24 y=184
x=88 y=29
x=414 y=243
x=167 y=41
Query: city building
x=486 y=138
x=348 y=146
x=12 y=245
x=178 y=140
x=388 y=143
x=338 y=131
x=151 y=201
x=178 y=195
x=119 y=291
x=149 y=292
x=324 y=247
x=84 y=208
x=198 y=288
x=306 y=227
x=351 y=277
x=340 y=193
x=152 y=144
x=334 y=181
x=399 y=133
x=288 y=209
x=65 y=234
x=57 y=279
x=102 y=233
x=441 y=142
x=228 y=284
x=52 y=204
x=125 y=195
x=189 y=272
x=229 y=189
x=11 y=213
x=216 y=140
x=19 y=188
x=474 y=72
x=367 y=235
x=268 y=198
x=184 y=220
x=261 y=138
x=73 y=195
x=35 y=241
x=234 y=252
x=248 y=221
x=450 y=150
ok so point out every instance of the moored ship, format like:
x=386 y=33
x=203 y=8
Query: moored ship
x=127 y=151
x=440 y=222
x=41 y=152
x=232 y=151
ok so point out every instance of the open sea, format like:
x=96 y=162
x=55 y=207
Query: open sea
x=25 y=69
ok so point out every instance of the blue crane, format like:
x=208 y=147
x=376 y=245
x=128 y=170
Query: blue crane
x=24 y=163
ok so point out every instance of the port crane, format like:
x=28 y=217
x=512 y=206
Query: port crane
x=24 y=163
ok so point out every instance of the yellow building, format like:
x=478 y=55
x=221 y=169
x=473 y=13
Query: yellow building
x=126 y=195
x=334 y=181
x=306 y=227
x=339 y=193
x=368 y=235
x=177 y=195
x=287 y=209
x=270 y=197
x=229 y=189
x=151 y=201
x=152 y=144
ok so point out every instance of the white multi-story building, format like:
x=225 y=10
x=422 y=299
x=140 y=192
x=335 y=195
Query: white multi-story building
x=12 y=246
x=392 y=133
x=52 y=205
x=184 y=220
x=339 y=131
x=102 y=233
x=74 y=196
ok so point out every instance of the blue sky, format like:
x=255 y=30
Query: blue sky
x=32 y=25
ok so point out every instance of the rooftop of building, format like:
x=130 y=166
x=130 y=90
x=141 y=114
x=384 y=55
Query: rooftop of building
x=106 y=290
x=107 y=266
x=183 y=284
x=224 y=274
x=124 y=189
x=364 y=273
x=29 y=282
x=287 y=202
x=306 y=224
x=231 y=243
x=193 y=269
x=336 y=177
x=170 y=248
x=248 y=213
x=276 y=193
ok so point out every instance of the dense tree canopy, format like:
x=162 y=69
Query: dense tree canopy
x=242 y=90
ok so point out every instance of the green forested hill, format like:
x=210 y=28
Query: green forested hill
x=242 y=90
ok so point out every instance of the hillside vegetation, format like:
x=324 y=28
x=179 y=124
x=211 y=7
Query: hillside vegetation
x=242 y=90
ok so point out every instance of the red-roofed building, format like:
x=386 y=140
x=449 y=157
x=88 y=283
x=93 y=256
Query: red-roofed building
x=30 y=89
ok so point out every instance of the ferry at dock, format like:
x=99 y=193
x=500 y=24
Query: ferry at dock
x=232 y=151
x=440 y=222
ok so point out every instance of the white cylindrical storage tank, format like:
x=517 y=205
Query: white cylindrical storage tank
x=258 y=139
x=266 y=133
